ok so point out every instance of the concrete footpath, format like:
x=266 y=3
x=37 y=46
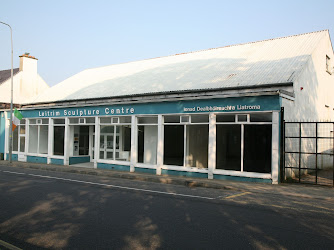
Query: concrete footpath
x=298 y=190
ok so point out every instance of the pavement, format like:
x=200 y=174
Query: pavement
x=287 y=189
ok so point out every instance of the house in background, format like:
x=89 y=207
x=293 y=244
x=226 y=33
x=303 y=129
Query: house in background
x=27 y=85
x=212 y=114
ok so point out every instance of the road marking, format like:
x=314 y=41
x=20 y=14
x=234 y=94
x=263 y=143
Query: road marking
x=9 y=246
x=236 y=195
x=111 y=186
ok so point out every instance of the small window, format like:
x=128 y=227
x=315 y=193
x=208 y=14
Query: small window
x=199 y=119
x=74 y=120
x=225 y=118
x=39 y=121
x=125 y=119
x=45 y=121
x=90 y=120
x=148 y=120
x=184 y=119
x=261 y=117
x=328 y=65
x=59 y=121
x=172 y=119
x=105 y=120
x=242 y=118
x=82 y=121
x=115 y=120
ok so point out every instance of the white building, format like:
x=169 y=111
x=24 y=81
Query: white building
x=213 y=113
x=27 y=84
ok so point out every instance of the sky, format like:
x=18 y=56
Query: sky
x=68 y=36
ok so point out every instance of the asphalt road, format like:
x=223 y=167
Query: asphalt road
x=40 y=209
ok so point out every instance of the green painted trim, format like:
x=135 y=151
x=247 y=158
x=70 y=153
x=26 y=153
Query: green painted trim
x=57 y=161
x=240 y=178
x=184 y=173
x=78 y=159
x=113 y=167
x=145 y=170
x=14 y=157
x=231 y=104
x=37 y=159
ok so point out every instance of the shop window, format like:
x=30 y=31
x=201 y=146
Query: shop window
x=173 y=145
x=147 y=143
x=16 y=140
x=38 y=137
x=84 y=140
x=19 y=137
x=228 y=143
x=115 y=142
x=58 y=140
x=257 y=148
x=197 y=146
x=186 y=144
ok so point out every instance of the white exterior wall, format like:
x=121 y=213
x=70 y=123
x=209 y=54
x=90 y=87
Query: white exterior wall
x=313 y=88
x=27 y=84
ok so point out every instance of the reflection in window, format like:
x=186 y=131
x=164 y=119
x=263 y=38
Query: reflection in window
x=228 y=153
x=115 y=142
x=174 y=145
x=257 y=148
x=147 y=144
x=197 y=146
x=58 y=140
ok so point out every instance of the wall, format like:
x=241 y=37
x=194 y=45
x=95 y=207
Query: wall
x=313 y=88
x=27 y=84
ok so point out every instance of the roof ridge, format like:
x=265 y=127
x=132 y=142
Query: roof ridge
x=196 y=51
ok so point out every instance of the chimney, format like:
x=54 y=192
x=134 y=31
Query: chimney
x=28 y=85
x=28 y=63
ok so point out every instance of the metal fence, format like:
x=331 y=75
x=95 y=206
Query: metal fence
x=308 y=152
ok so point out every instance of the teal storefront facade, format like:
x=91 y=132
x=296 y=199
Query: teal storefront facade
x=205 y=138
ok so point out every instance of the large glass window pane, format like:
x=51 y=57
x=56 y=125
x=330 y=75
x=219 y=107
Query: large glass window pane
x=22 y=129
x=174 y=145
x=58 y=140
x=147 y=144
x=43 y=139
x=197 y=146
x=228 y=151
x=22 y=143
x=33 y=138
x=16 y=139
x=123 y=143
x=257 y=148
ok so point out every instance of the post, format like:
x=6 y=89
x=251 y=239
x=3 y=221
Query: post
x=11 y=97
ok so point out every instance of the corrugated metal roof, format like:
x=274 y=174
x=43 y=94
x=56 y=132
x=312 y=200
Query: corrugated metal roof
x=265 y=62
